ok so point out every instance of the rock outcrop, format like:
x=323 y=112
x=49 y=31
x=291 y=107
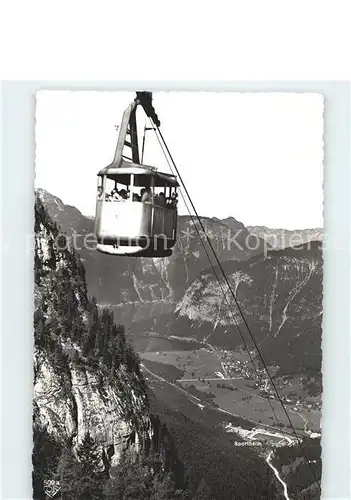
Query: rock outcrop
x=280 y=296
x=86 y=377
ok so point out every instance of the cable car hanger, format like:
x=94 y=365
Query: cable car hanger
x=128 y=136
x=129 y=127
x=146 y=224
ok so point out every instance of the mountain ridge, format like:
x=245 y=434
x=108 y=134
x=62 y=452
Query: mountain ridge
x=150 y=280
x=279 y=238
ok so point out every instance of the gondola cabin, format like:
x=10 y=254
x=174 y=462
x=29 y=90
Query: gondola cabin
x=138 y=215
x=136 y=206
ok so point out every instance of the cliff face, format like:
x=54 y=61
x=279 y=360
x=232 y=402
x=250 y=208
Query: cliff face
x=87 y=404
x=281 y=298
x=87 y=378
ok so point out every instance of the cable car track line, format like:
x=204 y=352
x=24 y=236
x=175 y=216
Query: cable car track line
x=237 y=305
x=221 y=287
x=223 y=291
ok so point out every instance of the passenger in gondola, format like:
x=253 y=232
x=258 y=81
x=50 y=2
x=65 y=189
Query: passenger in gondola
x=123 y=194
x=136 y=197
x=114 y=195
x=174 y=200
x=161 y=200
x=146 y=197
x=99 y=192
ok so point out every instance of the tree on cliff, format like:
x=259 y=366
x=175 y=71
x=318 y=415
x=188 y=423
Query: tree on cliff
x=68 y=474
x=163 y=488
x=81 y=478
x=135 y=479
x=46 y=453
x=203 y=491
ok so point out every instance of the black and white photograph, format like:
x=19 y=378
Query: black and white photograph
x=178 y=295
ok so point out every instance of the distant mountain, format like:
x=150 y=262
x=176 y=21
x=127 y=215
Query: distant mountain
x=280 y=292
x=70 y=218
x=284 y=238
x=280 y=296
x=232 y=223
x=121 y=280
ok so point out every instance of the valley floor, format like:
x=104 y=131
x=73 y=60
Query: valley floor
x=201 y=372
x=186 y=396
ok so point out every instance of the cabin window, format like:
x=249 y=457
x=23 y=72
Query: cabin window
x=117 y=188
x=141 y=185
x=160 y=196
x=136 y=188
x=165 y=196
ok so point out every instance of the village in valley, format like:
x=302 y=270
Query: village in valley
x=289 y=394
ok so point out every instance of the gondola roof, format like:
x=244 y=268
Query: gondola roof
x=126 y=168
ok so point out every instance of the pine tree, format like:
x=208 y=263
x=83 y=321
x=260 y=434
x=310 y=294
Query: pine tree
x=89 y=457
x=93 y=328
x=164 y=488
x=46 y=452
x=68 y=475
x=203 y=491
x=131 y=481
x=80 y=478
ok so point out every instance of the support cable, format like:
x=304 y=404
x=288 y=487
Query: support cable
x=222 y=289
x=238 y=305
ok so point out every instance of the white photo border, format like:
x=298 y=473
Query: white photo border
x=18 y=153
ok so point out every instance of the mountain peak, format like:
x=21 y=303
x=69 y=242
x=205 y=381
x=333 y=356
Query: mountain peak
x=47 y=197
x=67 y=216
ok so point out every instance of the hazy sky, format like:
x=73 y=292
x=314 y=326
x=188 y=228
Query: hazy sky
x=255 y=156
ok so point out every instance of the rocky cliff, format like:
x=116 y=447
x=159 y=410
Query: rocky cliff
x=87 y=378
x=280 y=296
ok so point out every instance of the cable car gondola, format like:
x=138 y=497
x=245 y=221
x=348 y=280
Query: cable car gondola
x=138 y=216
